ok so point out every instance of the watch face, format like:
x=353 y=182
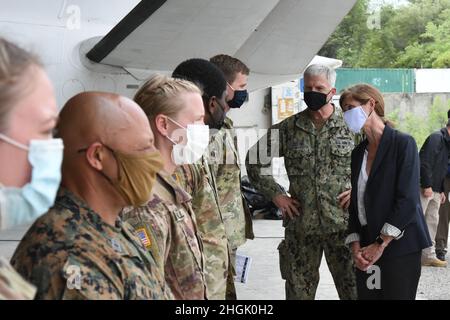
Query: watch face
x=379 y=240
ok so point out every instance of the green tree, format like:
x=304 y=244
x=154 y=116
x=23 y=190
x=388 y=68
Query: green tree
x=417 y=126
x=410 y=36
x=349 y=37
x=432 y=50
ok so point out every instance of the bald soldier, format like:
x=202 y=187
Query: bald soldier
x=80 y=249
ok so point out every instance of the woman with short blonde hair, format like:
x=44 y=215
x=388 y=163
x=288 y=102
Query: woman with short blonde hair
x=167 y=223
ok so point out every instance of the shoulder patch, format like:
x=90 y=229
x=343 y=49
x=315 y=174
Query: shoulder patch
x=143 y=236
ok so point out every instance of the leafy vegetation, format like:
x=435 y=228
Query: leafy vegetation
x=414 y=35
x=419 y=127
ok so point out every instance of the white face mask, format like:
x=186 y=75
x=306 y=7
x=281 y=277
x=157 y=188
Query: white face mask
x=355 y=119
x=196 y=145
x=23 y=205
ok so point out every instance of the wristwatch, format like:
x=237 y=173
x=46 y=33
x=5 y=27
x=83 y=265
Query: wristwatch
x=380 y=241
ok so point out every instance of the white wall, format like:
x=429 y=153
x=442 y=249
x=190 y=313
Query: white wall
x=432 y=80
x=252 y=121
x=249 y=119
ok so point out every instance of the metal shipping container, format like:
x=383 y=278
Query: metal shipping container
x=386 y=80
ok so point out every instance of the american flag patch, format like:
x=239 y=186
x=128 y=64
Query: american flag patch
x=142 y=233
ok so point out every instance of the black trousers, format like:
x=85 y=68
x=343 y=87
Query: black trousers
x=444 y=220
x=395 y=279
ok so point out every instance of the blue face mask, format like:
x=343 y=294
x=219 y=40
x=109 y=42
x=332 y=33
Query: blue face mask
x=23 y=205
x=355 y=119
x=240 y=96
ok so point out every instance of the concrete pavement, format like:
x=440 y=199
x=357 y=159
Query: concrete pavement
x=264 y=280
x=265 y=283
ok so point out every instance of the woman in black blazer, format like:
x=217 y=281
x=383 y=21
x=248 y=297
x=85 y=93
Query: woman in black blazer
x=387 y=229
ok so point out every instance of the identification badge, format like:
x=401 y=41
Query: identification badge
x=179 y=215
x=242 y=268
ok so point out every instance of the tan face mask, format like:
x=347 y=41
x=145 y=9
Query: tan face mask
x=137 y=174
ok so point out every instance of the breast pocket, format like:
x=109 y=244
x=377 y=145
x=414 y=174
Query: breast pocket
x=340 y=153
x=141 y=288
x=299 y=161
x=185 y=231
x=133 y=270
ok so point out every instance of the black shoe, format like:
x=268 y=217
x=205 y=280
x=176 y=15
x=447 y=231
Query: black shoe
x=440 y=255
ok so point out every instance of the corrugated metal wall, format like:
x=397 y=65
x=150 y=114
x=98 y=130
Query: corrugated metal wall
x=386 y=80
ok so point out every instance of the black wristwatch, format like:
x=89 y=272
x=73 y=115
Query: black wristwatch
x=380 y=241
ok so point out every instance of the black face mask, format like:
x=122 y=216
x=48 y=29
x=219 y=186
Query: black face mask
x=240 y=96
x=315 y=100
x=217 y=119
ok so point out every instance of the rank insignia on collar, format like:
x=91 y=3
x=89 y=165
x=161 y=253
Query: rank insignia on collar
x=116 y=245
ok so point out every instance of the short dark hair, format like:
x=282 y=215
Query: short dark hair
x=204 y=74
x=448 y=117
x=230 y=66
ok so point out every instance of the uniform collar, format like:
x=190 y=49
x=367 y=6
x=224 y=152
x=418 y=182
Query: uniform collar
x=227 y=123
x=170 y=182
x=70 y=201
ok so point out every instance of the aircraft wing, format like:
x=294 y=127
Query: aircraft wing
x=275 y=38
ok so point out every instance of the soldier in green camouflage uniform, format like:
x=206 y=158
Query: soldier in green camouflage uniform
x=70 y=253
x=224 y=165
x=81 y=249
x=224 y=156
x=225 y=162
x=168 y=229
x=201 y=184
x=317 y=161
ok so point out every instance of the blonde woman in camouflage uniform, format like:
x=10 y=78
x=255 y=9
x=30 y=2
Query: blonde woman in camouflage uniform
x=167 y=224
x=200 y=182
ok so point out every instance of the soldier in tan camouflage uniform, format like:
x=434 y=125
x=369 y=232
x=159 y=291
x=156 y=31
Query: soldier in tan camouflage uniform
x=316 y=145
x=81 y=249
x=200 y=183
x=225 y=163
x=167 y=224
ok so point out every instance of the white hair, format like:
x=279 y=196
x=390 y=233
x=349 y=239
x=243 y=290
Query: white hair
x=322 y=70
